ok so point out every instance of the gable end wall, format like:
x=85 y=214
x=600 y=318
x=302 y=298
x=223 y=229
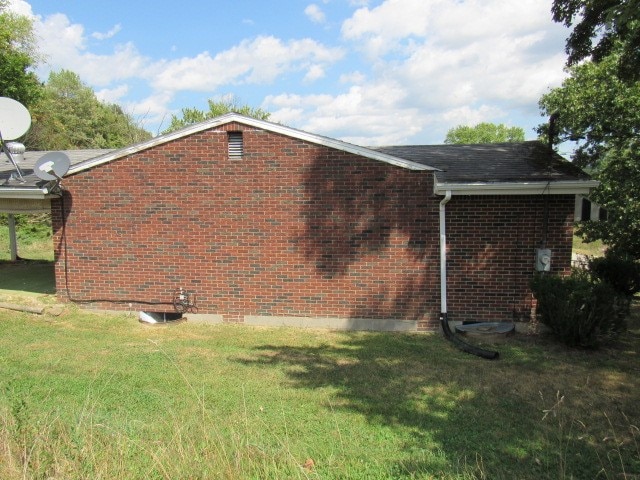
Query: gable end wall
x=292 y=229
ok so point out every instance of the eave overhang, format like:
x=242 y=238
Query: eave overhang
x=561 y=187
x=26 y=193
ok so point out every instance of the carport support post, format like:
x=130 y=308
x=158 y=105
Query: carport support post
x=13 y=242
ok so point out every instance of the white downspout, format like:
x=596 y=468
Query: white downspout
x=444 y=316
x=443 y=254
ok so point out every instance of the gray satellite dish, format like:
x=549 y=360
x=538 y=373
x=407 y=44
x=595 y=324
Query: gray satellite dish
x=15 y=119
x=52 y=166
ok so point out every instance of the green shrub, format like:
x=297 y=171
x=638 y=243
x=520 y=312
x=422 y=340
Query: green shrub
x=582 y=311
x=30 y=228
x=619 y=270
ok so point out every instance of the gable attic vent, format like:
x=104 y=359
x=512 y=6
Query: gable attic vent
x=235 y=145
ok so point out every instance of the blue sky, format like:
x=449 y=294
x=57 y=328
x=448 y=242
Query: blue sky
x=372 y=72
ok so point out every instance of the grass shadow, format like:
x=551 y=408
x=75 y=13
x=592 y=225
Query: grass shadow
x=482 y=417
x=32 y=276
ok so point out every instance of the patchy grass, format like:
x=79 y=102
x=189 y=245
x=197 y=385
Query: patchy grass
x=33 y=244
x=97 y=396
x=591 y=249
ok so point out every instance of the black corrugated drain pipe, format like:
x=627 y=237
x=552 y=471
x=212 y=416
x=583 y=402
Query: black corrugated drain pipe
x=444 y=321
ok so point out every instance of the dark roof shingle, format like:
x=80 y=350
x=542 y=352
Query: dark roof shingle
x=493 y=162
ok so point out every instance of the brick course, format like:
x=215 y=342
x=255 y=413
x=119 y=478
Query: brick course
x=291 y=229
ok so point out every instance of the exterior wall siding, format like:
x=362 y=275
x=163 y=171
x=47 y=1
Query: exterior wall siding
x=292 y=229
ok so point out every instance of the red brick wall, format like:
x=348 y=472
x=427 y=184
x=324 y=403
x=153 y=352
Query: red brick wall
x=492 y=246
x=292 y=229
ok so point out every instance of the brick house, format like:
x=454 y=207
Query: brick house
x=272 y=225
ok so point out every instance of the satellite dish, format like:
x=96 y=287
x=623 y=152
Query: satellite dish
x=15 y=119
x=52 y=166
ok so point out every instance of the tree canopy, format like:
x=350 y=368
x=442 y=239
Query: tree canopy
x=601 y=113
x=69 y=115
x=17 y=57
x=189 y=116
x=484 y=133
x=599 y=28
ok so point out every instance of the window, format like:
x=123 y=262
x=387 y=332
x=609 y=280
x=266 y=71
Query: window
x=235 y=145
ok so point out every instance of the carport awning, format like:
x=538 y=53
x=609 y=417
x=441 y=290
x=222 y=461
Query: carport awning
x=26 y=205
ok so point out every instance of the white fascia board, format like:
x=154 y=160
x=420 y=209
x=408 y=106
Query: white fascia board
x=569 y=187
x=254 y=122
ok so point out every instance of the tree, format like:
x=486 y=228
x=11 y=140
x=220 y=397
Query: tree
x=484 y=133
x=17 y=57
x=601 y=113
x=189 y=116
x=611 y=23
x=69 y=116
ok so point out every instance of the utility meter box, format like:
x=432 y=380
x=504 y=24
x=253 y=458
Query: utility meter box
x=543 y=260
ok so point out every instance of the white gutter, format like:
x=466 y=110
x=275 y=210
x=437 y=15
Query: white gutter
x=443 y=254
x=567 y=187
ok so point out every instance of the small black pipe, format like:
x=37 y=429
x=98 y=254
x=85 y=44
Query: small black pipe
x=464 y=346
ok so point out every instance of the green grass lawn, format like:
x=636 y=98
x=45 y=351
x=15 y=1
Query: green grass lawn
x=97 y=396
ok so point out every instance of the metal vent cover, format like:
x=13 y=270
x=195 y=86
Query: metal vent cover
x=236 y=146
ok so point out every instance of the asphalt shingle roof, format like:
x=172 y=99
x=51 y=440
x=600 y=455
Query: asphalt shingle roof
x=30 y=159
x=496 y=162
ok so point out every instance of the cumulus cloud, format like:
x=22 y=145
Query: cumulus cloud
x=454 y=62
x=112 y=95
x=20 y=7
x=111 y=33
x=64 y=45
x=315 y=13
x=260 y=60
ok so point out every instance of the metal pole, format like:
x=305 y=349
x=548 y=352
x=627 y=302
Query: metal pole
x=13 y=242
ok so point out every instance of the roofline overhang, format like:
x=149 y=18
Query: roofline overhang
x=26 y=193
x=253 y=122
x=562 y=187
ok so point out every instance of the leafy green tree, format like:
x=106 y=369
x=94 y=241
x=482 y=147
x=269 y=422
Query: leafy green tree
x=69 y=116
x=484 y=133
x=599 y=28
x=601 y=113
x=17 y=57
x=189 y=116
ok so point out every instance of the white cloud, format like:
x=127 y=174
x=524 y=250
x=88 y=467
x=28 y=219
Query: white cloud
x=110 y=34
x=454 y=62
x=315 y=13
x=314 y=72
x=260 y=60
x=20 y=7
x=64 y=45
x=112 y=95
x=152 y=111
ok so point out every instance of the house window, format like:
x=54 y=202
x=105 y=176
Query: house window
x=235 y=145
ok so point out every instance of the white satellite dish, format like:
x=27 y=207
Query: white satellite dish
x=52 y=166
x=15 y=119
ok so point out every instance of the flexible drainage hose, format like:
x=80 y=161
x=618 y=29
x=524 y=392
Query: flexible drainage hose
x=462 y=345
